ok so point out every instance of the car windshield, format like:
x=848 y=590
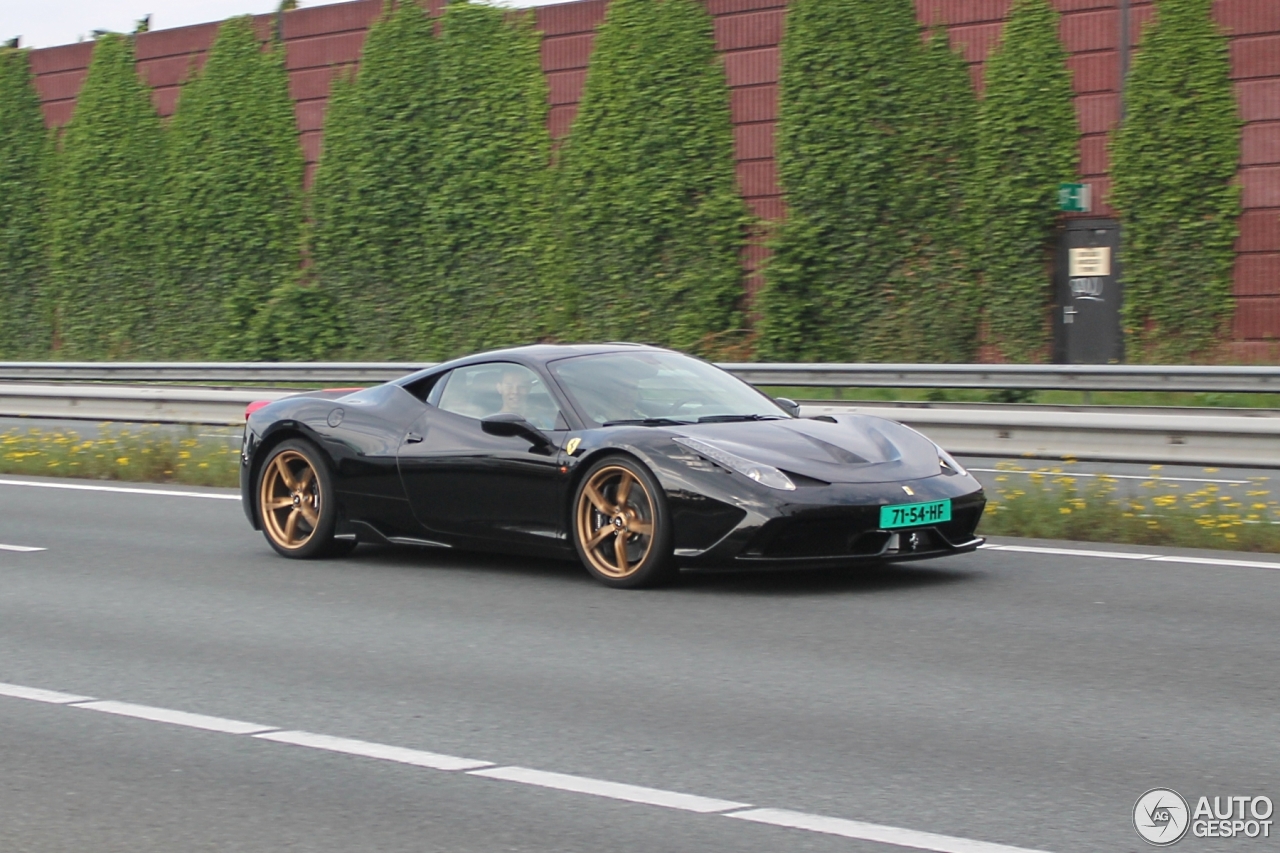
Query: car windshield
x=658 y=388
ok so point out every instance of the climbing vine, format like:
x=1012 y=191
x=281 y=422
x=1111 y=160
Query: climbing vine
x=649 y=226
x=1026 y=146
x=232 y=196
x=102 y=216
x=1178 y=212
x=24 y=314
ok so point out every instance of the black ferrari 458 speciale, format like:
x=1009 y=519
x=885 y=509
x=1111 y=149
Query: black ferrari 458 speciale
x=639 y=460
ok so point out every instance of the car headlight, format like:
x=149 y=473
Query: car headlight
x=765 y=475
x=947 y=461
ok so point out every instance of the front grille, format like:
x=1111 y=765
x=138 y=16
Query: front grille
x=817 y=537
x=856 y=533
x=964 y=521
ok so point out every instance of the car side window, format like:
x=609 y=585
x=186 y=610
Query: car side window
x=481 y=390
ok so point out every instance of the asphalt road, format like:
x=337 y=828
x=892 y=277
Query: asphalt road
x=1008 y=697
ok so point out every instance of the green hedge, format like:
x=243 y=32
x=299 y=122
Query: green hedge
x=1026 y=146
x=370 y=200
x=24 y=321
x=102 y=219
x=232 y=198
x=1174 y=165
x=649 y=225
x=872 y=147
x=487 y=184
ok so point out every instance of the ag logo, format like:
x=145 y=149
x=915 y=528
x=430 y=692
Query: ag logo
x=1161 y=816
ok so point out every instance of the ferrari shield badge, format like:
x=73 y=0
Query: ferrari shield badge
x=572 y=445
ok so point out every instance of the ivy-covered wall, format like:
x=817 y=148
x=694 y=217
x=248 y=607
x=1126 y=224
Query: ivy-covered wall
x=321 y=41
x=24 y=313
x=1174 y=167
x=873 y=148
x=487 y=184
x=1026 y=146
x=102 y=219
x=649 y=225
x=232 y=199
x=371 y=195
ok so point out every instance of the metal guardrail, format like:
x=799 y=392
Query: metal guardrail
x=204 y=372
x=1200 y=437
x=1204 y=436
x=1037 y=377
x=1070 y=377
x=149 y=404
x=1178 y=436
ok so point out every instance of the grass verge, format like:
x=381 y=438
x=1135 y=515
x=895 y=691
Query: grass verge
x=1051 y=503
x=144 y=454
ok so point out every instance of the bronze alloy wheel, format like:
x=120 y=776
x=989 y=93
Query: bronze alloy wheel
x=615 y=521
x=290 y=500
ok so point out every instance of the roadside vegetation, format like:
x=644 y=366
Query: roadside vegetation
x=1049 y=501
x=1052 y=502
x=134 y=453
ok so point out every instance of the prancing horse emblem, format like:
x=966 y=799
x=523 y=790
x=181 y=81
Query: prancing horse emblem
x=572 y=445
x=907 y=489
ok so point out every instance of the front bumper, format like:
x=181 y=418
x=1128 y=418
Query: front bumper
x=839 y=525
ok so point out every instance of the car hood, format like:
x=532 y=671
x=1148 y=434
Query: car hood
x=843 y=449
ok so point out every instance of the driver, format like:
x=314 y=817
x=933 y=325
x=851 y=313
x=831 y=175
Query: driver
x=514 y=387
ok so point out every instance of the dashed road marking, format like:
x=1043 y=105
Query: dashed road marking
x=891 y=835
x=176 y=718
x=35 y=694
x=81 y=487
x=398 y=754
x=873 y=832
x=21 y=549
x=611 y=790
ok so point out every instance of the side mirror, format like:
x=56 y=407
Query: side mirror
x=511 y=424
x=791 y=406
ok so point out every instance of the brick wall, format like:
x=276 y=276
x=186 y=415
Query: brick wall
x=321 y=40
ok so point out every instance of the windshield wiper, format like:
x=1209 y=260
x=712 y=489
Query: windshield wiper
x=647 y=422
x=724 y=419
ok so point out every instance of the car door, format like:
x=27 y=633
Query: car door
x=463 y=482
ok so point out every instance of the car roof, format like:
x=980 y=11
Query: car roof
x=531 y=354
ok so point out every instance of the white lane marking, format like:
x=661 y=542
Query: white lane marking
x=523 y=775
x=177 y=718
x=1114 y=476
x=874 y=832
x=22 y=549
x=399 y=754
x=35 y=694
x=1248 y=564
x=80 y=487
x=1124 y=555
x=612 y=790
x=1074 y=552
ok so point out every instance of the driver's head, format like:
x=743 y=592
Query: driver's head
x=514 y=387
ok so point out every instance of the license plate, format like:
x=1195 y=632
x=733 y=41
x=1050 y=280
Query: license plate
x=909 y=515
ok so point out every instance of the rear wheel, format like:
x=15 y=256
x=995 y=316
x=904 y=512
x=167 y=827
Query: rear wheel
x=621 y=525
x=295 y=501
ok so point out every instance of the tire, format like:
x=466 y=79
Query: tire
x=295 y=501
x=621 y=526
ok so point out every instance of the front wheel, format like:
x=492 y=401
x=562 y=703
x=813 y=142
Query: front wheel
x=295 y=501
x=621 y=526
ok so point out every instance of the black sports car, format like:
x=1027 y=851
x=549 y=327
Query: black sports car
x=638 y=459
